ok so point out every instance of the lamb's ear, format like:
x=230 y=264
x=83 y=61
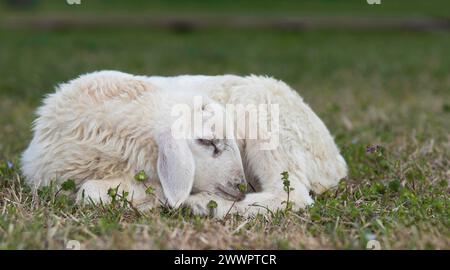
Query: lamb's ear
x=176 y=168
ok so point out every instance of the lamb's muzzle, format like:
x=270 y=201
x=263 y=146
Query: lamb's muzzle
x=233 y=190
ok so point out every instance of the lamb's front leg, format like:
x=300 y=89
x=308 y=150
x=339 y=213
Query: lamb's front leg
x=250 y=206
x=269 y=200
x=198 y=203
x=96 y=191
x=272 y=199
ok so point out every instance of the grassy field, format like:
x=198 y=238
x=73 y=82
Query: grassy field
x=390 y=90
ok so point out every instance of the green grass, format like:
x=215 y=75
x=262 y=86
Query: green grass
x=386 y=89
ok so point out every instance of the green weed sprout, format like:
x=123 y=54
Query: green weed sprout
x=243 y=188
x=288 y=189
x=141 y=176
x=211 y=206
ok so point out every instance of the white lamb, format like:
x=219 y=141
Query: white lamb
x=102 y=128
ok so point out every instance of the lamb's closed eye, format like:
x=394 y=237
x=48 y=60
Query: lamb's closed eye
x=215 y=144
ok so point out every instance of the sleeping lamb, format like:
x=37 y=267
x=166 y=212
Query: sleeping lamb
x=103 y=127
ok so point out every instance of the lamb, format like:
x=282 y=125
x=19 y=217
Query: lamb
x=306 y=149
x=102 y=128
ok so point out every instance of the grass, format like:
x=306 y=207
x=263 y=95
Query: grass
x=384 y=96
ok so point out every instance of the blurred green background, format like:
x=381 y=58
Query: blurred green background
x=434 y=8
x=333 y=65
x=43 y=43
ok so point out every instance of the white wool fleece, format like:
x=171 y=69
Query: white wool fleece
x=125 y=142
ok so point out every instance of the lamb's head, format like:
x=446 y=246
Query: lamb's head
x=204 y=161
x=218 y=167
